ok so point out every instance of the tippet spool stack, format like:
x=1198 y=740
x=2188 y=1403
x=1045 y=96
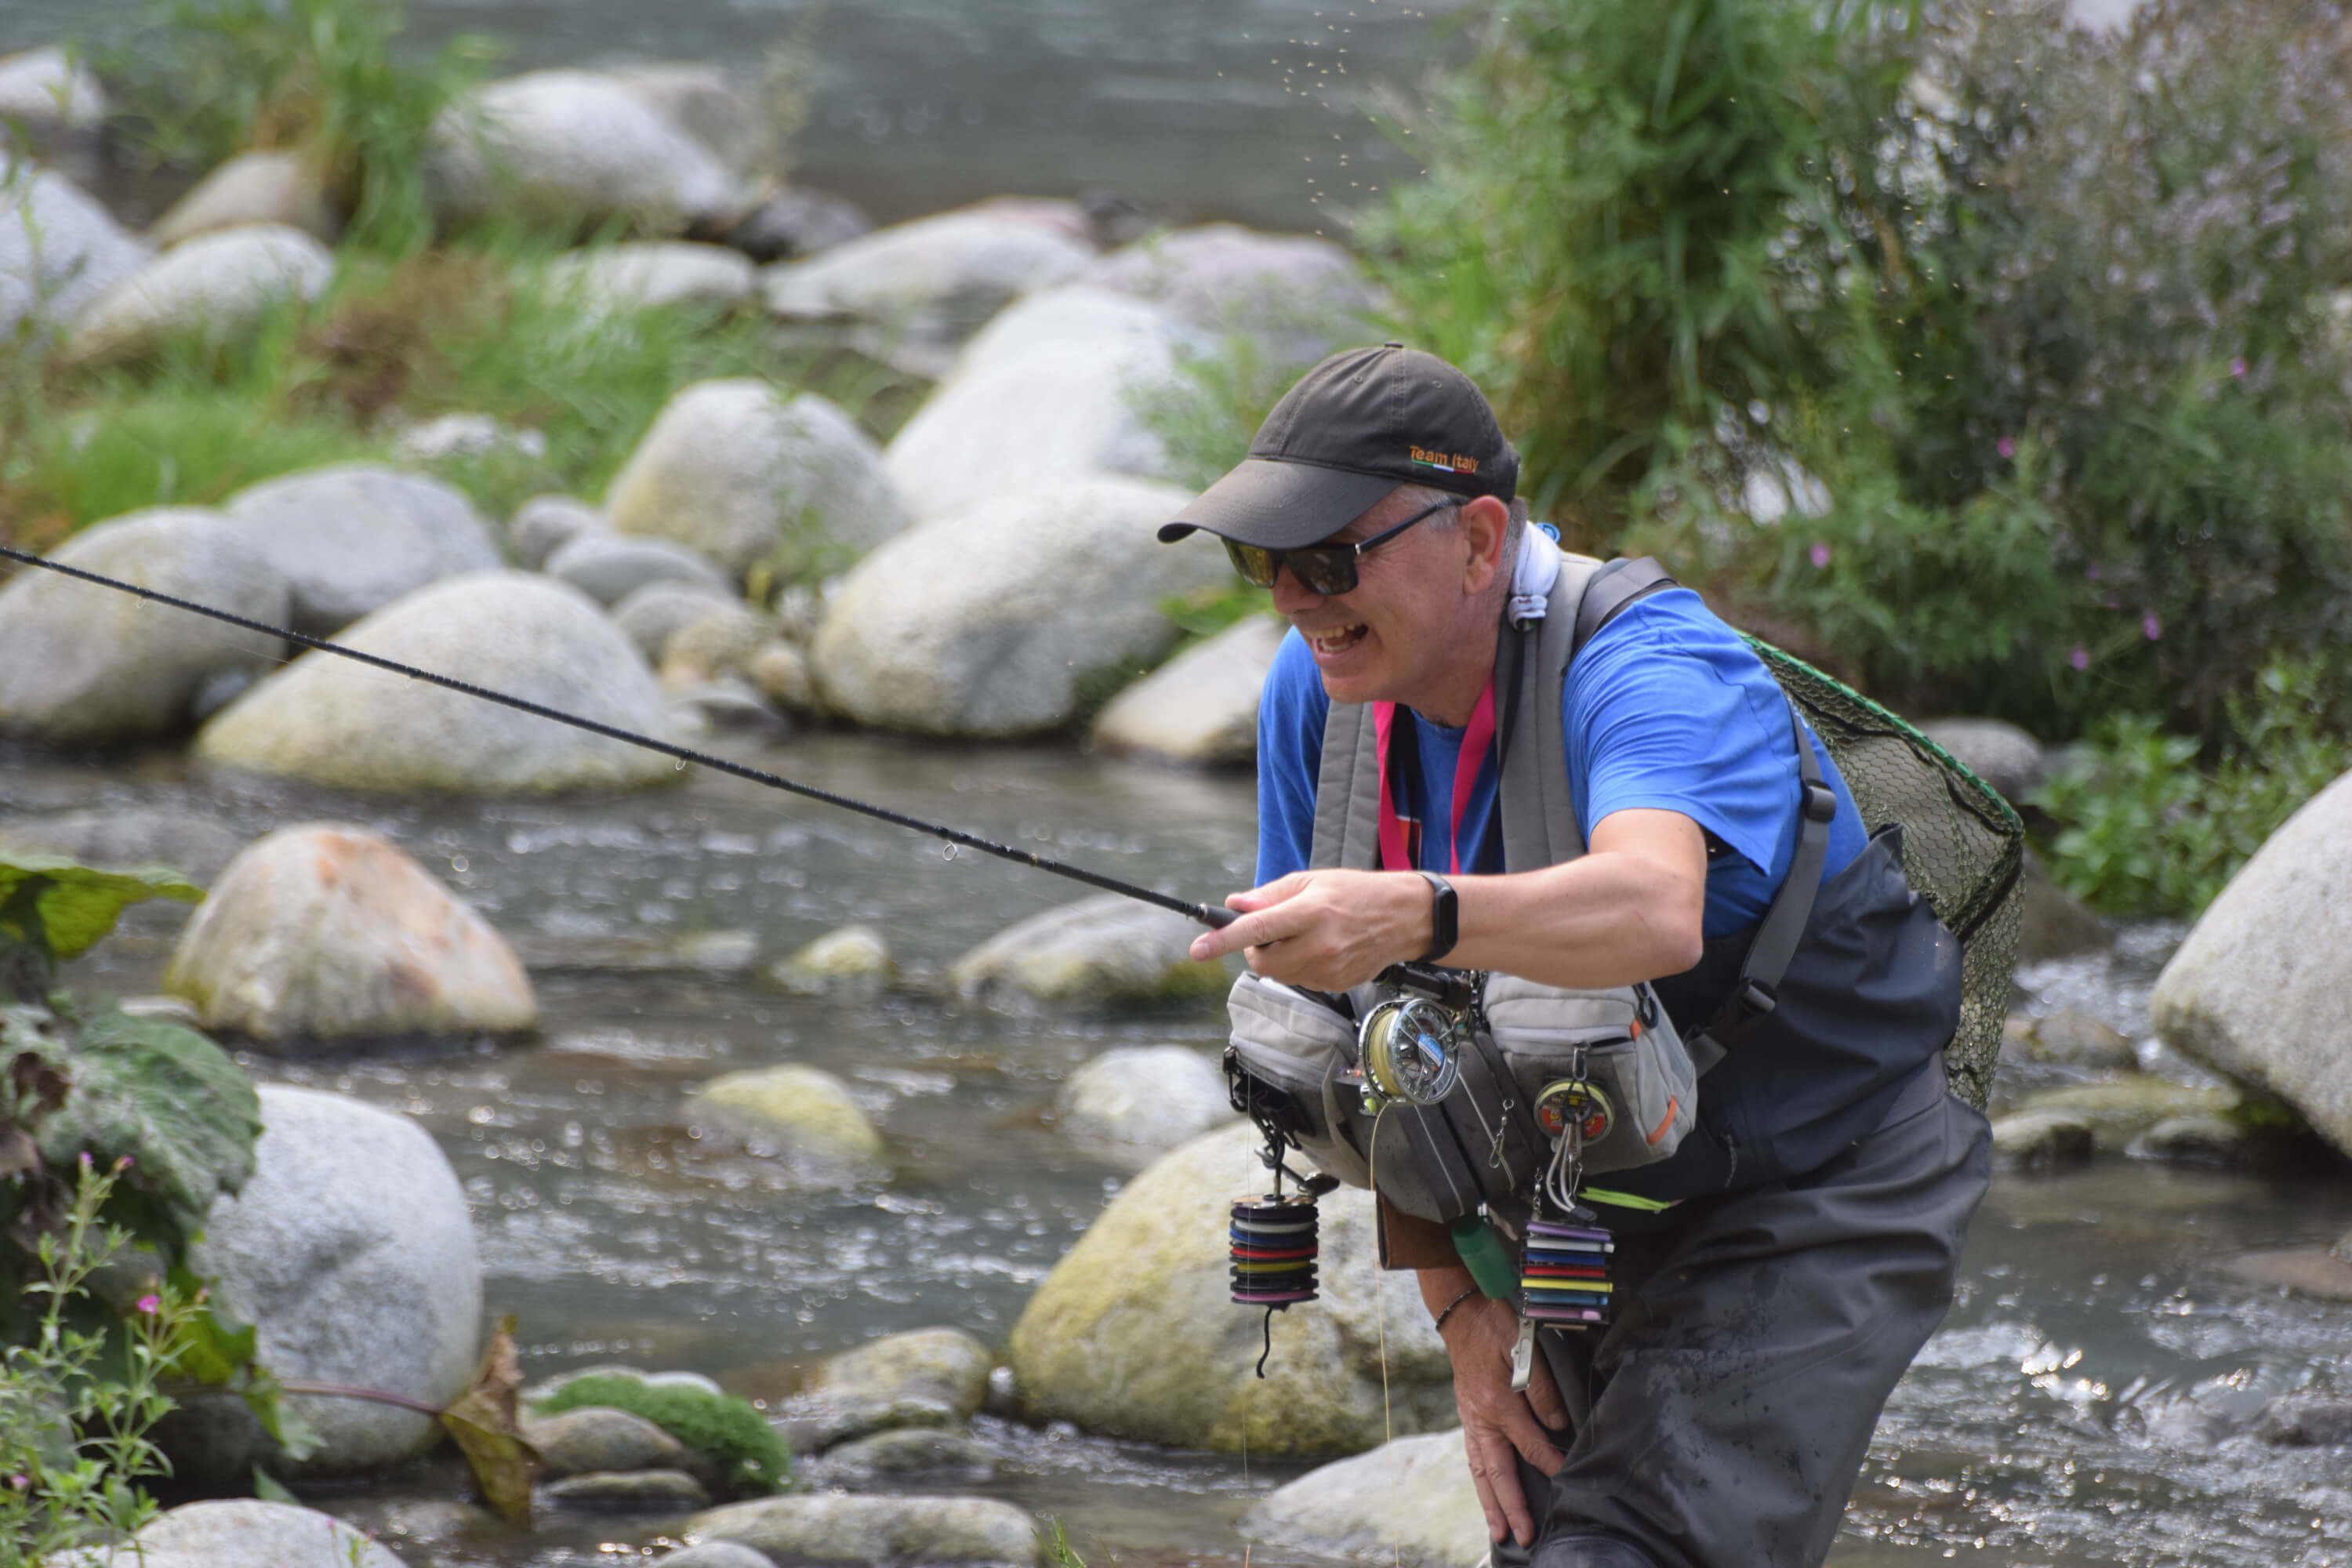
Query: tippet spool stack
x=1564 y=1273
x=1273 y=1248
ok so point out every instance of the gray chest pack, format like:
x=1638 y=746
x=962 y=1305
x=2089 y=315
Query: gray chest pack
x=1451 y=1089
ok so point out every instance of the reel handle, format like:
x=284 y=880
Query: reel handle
x=1450 y=987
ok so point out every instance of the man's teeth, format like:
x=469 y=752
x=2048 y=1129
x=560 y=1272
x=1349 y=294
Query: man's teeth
x=1334 y=642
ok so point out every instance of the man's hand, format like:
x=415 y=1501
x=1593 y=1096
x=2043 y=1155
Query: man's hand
x=1495 y=1422
x=1325 y=930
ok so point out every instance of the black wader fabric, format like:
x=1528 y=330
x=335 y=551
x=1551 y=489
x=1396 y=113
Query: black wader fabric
x=1722 y=1418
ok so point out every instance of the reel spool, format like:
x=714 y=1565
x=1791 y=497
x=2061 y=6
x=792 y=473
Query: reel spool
x=1574 y=1102
x=1273 y=1248
x=1411 y=1050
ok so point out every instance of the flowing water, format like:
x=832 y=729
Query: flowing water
x=2083 y=1407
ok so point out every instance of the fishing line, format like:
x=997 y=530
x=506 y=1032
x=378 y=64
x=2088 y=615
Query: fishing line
x=1212 y=915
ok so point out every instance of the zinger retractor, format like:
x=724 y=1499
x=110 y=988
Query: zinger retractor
x=1411 y=1051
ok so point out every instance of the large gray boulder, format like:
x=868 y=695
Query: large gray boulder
x=242 y=1532
x=636 y=274
x=744 y=475
x=338 y=723
x=702 y=102
x=353 y=538
x=575 y=148
x=324 y=932
x=218 y=284
x=1133 y=1334
x=929 y=283
x=60 y=249
x=352 y=1253
x=1144 y=1097
x=1010 y=617
x=926 y=1377
x=963 y=1532
x=609 y=567
x=1106 y=948
x=2261 y=990
x=1050 y=388
x=252 y=187
x=82 y=665
x=1409 y=1502
x=1200 y=708
x=49 y=91
x=1300 y=296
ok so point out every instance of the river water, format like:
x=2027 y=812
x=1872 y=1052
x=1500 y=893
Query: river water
x=2078 y=1410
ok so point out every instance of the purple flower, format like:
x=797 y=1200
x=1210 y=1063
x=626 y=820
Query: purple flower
x=85 y=1160
x=2238 y=367
x=2150 y=627
x=21 y=1482
x=2006 y=446
x=1819 y=554
x=150 y=1304
x=2080 y=658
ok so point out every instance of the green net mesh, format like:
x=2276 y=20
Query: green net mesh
x=1963 y=848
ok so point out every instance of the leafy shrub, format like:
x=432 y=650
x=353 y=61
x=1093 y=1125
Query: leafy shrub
x=728 y=1432
x=2143 y=829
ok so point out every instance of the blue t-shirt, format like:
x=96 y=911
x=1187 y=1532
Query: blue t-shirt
x=1665 y=708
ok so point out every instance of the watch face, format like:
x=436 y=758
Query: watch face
x=1574 y=1102
x=1412 y=1050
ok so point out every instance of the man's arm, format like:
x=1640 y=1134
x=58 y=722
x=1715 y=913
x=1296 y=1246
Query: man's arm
x=1630 y=910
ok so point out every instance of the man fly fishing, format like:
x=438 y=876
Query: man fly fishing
x=1773 y=1275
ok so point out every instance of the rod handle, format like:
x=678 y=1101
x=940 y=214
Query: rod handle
x=1216 y=916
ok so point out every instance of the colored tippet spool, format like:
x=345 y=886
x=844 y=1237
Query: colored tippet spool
x=1564 y=1274
x=1273 y=1249
x=1573 y=1101
x=1412 y=1050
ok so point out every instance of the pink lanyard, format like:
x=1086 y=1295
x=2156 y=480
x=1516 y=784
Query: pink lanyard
x=1473 y=756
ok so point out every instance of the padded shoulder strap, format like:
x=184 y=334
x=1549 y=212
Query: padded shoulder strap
x=1613 y=587
x=1347 y=792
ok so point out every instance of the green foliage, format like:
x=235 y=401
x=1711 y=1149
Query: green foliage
x=729 y=1432
x=2144 y=829
x=67 y=907
x=199 y=79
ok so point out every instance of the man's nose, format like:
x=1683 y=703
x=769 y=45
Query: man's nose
x=1290 y=595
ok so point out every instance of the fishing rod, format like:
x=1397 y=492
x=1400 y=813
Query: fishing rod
x=1212 y=915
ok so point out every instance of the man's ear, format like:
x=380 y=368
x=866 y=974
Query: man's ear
x=1484 y=521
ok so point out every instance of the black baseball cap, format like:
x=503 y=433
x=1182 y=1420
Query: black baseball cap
x=1355 y=427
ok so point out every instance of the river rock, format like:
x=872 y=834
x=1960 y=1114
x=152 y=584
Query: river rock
x=60 y=249
x=928 y=284
x=1411 y=1501
x=928 y=1377
x=2045 y=1141
x=1049 y=389
x=2323 y=1274
x=807 y=1110
x=721 y=642
x=352 y=538
x=609 y=567
x=2122 y=1110
x=352 y=1252
x=781 y=672
x=888 y=1458
x=1145 y=1097
x=2261 y=989
x=741 y=473
x=2199 y=1140
x=701 y=102
x=1300 y=296
x=1999 y=752
x=798 y=223
x=48 y=91
x=1010 y=618
x=855 y=958
x=594 y=1438
x=252 y=187
x=345 y=726
x=1132 y=1334
x=446 y=437
x=1200 y=708
x=199 y=847
x=717 y=1554
x=1107 y=948
x=2077 y=1039
x=2306 y=1421
x=325 y=932
x=243 y=1533
x=834 y=1529
x=220 y=284
x=652 y=1491
x=545 y=524
x=635 y=275
x=2052 y=922
x=653 y=613
x=571 y=148
x=81 y=665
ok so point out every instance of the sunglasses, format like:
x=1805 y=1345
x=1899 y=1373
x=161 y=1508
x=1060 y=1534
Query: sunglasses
x=1325 y=569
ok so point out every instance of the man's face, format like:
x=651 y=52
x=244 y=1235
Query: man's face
x=1391 y=637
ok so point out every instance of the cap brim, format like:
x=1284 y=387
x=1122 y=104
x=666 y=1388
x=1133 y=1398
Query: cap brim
x=1280 y=506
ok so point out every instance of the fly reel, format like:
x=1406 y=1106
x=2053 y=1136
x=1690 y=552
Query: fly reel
x=1409 y=1050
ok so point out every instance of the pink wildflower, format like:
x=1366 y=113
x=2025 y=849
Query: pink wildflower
x=2080 y=658
x=21 y=1482
x=1819 y=554
x=2006 y=446
x=85 y=1160
x=2150 y=627
x=150 y=1304
x=2238 y=367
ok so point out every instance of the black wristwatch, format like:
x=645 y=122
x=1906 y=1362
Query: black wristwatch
x=1444 y=917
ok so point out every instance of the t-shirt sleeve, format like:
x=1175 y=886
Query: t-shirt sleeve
x=1290 y=714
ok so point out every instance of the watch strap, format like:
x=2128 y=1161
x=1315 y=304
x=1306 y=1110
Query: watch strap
x=1444 y=917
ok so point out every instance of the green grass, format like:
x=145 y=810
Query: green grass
x=727 y=1431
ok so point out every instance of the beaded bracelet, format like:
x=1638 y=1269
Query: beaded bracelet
x=1440 y=1324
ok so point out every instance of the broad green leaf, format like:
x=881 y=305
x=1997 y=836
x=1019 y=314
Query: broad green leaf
x=266 y=1488
x=172 y=1100
x=79 y=904
x=483 y=1423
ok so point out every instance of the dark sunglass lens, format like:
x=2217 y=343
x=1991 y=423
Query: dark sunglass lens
x=1254 y=564
x=1322 y=571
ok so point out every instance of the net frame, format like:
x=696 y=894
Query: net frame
x=1963 y=847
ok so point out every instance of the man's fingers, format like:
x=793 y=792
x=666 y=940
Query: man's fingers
x=1492 y=1470
x=1543 y=1397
